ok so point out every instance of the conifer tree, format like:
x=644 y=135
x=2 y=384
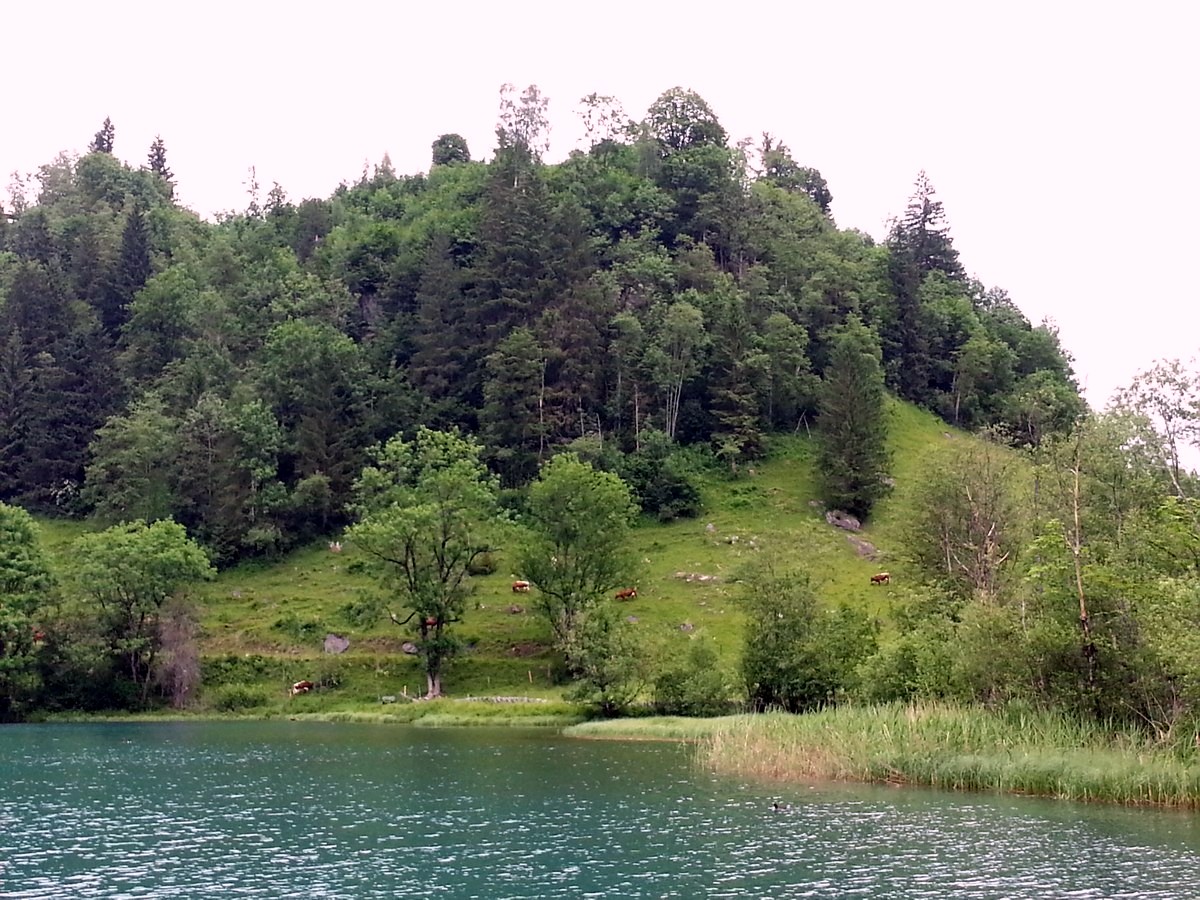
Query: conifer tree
x=132 y=270
x=920 y=244
x=852 y=450
x=921 y=238
x=103 y=141
x=157 y=162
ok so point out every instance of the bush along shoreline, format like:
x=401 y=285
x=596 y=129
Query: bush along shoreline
x=1020 y=751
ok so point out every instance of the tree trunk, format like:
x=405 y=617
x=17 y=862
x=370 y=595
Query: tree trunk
x=1088 y=647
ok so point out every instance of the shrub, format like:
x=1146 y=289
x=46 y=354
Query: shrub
x=693 y=683
x=238 y=697
x=798 y=656
x=484 y=564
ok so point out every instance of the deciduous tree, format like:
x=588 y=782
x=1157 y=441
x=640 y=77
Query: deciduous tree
x=130 y=571
x=426 y=512
x=577 y=548
x=24 y=581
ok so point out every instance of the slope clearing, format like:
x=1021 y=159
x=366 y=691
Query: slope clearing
x=264 y=625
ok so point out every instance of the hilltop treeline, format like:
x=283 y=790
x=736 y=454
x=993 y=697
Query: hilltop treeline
x=663 y=288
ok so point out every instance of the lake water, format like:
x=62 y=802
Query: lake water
x=290 y=809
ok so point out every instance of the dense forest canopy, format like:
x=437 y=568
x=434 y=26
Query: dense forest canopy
x=665 y=288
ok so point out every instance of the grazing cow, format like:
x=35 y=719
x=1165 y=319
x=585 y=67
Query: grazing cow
x=302 y=687
x=627 y=594
x=520 y=587
x=335 y=546
x=881 y=578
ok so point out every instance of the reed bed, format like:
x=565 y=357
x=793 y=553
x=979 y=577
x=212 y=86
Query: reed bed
x=656 y=728
x=956 y=748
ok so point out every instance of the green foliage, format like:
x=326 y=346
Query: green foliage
x=132 y=471
x=577 y=549
x=449 y=149
x=233 y=698
x=692 y=682
x=24 y=582
x=127 y=573
x=609 y=658
x=969 y=524
x=427 y=511
x=659 y=478
x=798 y=656
x=853 y=456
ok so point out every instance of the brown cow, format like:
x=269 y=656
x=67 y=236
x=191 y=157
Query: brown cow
x=881 y=578
x=627 y=594
x=520 y=587
x=302 y=687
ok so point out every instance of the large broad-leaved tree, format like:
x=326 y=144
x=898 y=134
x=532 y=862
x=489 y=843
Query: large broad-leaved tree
x=577 y=549
x=426 y=512
x=130 y=572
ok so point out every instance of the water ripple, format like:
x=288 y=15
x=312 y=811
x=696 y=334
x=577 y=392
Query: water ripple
x=301 y=810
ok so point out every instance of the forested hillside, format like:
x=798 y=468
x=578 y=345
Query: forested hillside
x=487 y=370
x=665 y=288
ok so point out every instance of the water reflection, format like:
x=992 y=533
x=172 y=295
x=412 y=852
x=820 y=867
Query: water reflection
x=303 y=810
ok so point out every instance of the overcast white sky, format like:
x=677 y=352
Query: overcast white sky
x=1062 y=137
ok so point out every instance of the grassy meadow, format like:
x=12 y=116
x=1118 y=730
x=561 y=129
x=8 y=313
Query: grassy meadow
x=264 y=624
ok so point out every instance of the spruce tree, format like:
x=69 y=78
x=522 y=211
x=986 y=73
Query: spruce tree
x=852 y=452
x=132 y=271
x=921 y=238
x=920 y=244
x=157 y=162
x=103 y=141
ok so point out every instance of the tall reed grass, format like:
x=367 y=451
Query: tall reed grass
x=957 y=748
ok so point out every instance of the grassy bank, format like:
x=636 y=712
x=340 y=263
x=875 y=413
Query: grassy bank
x=429 y=714
x=941 y=746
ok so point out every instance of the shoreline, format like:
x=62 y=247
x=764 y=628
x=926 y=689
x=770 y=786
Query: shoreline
x=941 y=746
x=932 y=745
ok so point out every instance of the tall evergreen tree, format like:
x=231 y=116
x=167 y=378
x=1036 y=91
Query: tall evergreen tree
x=129 y=275
x=921 y=237
x=70 y=402
x=103 y=141
x=516 y=277
x=16 y=395
x=852 y=452
x=444 y=365
x=920 y=244
x=512 y=418
x=157 y=162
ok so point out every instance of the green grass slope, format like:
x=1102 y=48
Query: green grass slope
x=263 y=626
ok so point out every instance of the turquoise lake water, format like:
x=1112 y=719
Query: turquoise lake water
x=292 y=809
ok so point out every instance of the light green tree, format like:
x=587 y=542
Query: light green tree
x=610 y=658
x=577 y=549
x=24 y=580
x=675 y=355
x=132 y=473
x=798 y=655
x=427 y=511
x=129 y=572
